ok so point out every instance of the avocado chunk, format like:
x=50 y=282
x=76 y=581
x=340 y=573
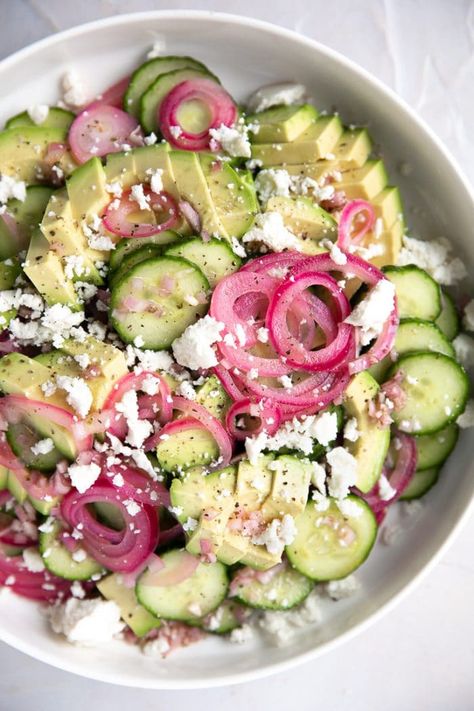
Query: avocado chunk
x=388 y=206
x=281 y=123
x=193 y=188
x=86 y=190
x=315 y=143
x=196 y=491
x=132 y=613
x=45 y=269
x=20 y=375
x=290 y=486
x=254 y=483
x=352 y=149
x=234 y=198
x=370 y=449
x=23 y=150
x=365 y=182
x=27 y=216
x=306 y=220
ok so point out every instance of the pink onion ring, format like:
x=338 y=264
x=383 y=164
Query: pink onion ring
x=269 y=416
x=348 y=232
x=99 y=130
x=116 y=218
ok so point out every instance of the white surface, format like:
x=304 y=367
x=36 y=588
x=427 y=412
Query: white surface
x=394 y=664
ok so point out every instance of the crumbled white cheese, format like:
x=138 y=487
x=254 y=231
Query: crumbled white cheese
x=83 y=360
x=241 y=635
x=434 y=257
x=44 y=446
x=349 y=508
x=158 y=647
x=114 y=188
x=138 y=430
x=83 y=476
x=351 y=433
x=467 y=418
x=318 y=477
x=176 y=131
x=79 y=555
x=186 y=390
x=272 y=182
x=33 y=560
x=38 y=113
x=468 y=317
x=60 y=320
x=148 y=360
x=86 y=622
x=79 y=395
x=336 y=253
x=464 y=348
x=282 y=627
x=156 y=181
x=190 y=524
x=386 y=492
x=132 y=507
x=151 y=139
x=340 y=589
x=74 y=93
x=277 y=535
x=343 y=472
x=77 y=590
x=270 y=230
x=371 y=314
x=238 y=248
x=10 y=188
x=285 y=93
x=137 y=194
x=263 y=334
x=233 y=141
x=194 y=348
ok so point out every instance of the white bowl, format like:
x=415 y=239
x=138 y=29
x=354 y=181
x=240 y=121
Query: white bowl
x=245 y=54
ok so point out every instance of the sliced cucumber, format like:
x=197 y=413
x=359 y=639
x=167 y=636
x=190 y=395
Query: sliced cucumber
x=284 y=590
x=150 y=101
x=130 y=260
x=186 y=449
x=433 y=449
x=414 y=334
x=59 y=560
x=418 y=295
x=196 y=596
x=329 y=545
x=448 y=320
x=56 y=118
x=226 y=618
x=127 y=246
x=436 y=388
x=21 y=437
x=132 y=613
x=214 y=258
x=167 y=314
x=146 y=74
x=420 y=484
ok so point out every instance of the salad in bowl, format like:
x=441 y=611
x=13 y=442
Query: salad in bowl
x=223 y=359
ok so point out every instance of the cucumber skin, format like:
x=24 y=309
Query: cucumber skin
x=439 y=462
x=423 y=489
x=272 y=604
x=422 y=274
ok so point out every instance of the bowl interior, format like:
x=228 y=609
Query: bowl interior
x=246 y=54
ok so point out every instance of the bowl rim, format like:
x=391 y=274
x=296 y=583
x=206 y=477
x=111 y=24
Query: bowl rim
x=55 y=660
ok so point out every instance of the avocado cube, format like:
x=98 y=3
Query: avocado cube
x=290 y=486
x=212 y=530
x=44 y=268
x=258 y=557
x=86 y=190
x=23 y=150
x=304 y=218
x=282 y=123
x=233 y=548
x=213 y=397
x=132 y=613
x=315 y=143
x=388 y=206
x=352 y=149
x=254 y=483
x=370 y=449
x=195 y=492
x=365 y=182
x=120 y=168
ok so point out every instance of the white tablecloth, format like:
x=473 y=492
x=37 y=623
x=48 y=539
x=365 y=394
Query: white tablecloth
x=422 y=655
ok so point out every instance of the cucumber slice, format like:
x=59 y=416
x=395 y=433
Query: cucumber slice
x=437 y=388
x=448 y=320
x=215 y=258
x=418 y=295
x=168 y=315
x=420 y=484
x=27 y=215
x=150 y=101
x=148 y=251
x=414 y=334
x=226 y=618
x=203 y=591
x=56 y=118
x=21 y=438
x=59 y=560
x=129 y=245
x=146 y=74
x=132 y=613
x=432 y=450
x=285 y=589
x=329 y=545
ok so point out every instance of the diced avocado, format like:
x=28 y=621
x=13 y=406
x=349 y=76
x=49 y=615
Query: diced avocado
x=3 y=477
x=281 y=123
x=234 y=199
x=130 y=245
x=152 y=158
x=211 y=529
x=390 y=240
x=9 y=271
x=23 y=150
x=21 y=375
x=352 y=149
x=66 y=237
x=316 y=142
x=254 y=483
x=188 y=448
x=388 y=206
x=370 y=449
x=193 y=188
x=213 y=397
x=44 y=268
x=365 y=182
x=56 y=118
x=195 y=492
x=305 y=219
x=86 y=190
x=290 y=486
x=233 y=548
x=132 y=613
x=258 y=557
x=120 y=168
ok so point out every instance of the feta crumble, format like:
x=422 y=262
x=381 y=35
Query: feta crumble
x=351 y=433
x=286 y=93
x=38 y=113
x=272 y=182
x=33 y=560
x=83 y=476
x=10 y=188
x=241 y=635
x=234 y=141
x=74 y=93
x=386 y=492
x=194 y=348
x=434 y=257
x=464 y=348
x=340 y=589
x=343 y=472
x=371 y=314
x=270 y=230
x=86 y=622
x=282 y=627
x=79 y=395
x=44 y=446
x=277 y=535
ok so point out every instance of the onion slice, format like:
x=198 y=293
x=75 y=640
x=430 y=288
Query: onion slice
x=99 y=130
x=117 y=218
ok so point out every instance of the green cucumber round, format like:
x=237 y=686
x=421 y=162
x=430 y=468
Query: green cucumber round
x=59 y=560
x=414 y=334
x=418 y=295
x=420 y=484
x=214 y=258
x=132 y=244
x=433 y=449
x=448 y=321
x=21 y=437
x=283 y=590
